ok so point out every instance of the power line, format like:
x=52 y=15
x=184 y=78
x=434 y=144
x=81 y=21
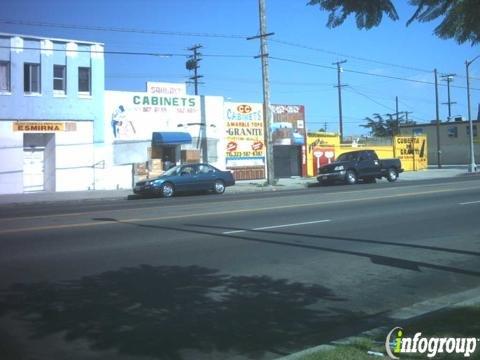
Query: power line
x=301 y=46
x=348 y=56
x=122 y=30
x=361 y=72
x=201 y=34
x=136 y=53
x=369 y=98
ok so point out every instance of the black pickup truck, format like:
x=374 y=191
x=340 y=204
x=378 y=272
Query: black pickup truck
x=351 y=166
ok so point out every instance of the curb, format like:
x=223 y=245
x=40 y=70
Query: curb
x=240 y=188
x=464 y=298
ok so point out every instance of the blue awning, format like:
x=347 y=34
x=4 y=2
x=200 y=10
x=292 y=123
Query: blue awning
x=171 y=138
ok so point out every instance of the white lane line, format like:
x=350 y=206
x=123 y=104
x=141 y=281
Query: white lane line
x=470 y=202
x=277 y=226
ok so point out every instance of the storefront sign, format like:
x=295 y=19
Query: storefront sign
x=288 y=126
x=43 y=127
x=244 y=135
x=412 y=151
x=136 y=115
x=169 y=89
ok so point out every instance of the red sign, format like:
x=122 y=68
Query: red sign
x=231 y=146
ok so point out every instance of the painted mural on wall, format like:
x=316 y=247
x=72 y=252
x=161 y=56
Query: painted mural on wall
x=288 y=126
x=412 y=152
x=244 y=134
x=135 y=115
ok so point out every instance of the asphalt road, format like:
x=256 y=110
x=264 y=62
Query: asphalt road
x=249 y=276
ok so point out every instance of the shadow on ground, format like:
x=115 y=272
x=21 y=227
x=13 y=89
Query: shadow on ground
x=164 y=311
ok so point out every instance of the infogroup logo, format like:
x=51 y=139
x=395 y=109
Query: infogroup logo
x=397 y=343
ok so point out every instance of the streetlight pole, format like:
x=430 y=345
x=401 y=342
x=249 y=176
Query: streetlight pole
x=437 y=123
x=471 y=167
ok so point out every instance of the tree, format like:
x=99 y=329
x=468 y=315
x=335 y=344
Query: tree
x=381 y=127
x=459 y=18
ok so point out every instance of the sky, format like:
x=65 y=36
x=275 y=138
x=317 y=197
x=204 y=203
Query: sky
x=382 y=63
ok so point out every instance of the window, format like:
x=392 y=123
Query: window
x=84 y=82
x=31 y=78
x=59 y=78
x=4 y=76
x=205 y=169
x=474 y=130
x=452 y=131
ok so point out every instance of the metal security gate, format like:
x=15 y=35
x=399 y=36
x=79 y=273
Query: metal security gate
x=287 y=161
x=33 y=169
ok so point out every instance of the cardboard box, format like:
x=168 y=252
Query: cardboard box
x=156 y=152
x=141 y=168
x=190 y=156
x=155 y=165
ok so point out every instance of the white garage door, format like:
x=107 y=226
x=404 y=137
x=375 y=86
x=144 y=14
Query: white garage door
x=33 y=170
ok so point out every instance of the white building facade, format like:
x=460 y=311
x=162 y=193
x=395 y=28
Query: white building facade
x=164 y=122
x=51 y=109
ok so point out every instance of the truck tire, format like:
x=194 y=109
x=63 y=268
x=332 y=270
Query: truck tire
x=351 y=177
x=392 y=175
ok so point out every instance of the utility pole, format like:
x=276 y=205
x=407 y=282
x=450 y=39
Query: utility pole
x=339 y=86
x=406 y=115
x=396 y=115
x=472 y=167
x=449 y=78
x=193 y=64
x=437 y=111
x=266 y=91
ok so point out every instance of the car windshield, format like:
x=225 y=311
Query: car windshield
x=347 y=157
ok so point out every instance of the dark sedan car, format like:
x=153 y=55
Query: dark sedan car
x=186 y=178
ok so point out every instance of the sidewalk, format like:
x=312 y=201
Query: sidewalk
x=242 y=186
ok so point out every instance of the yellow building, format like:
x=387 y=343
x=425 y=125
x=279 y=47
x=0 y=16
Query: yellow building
x=323 y=148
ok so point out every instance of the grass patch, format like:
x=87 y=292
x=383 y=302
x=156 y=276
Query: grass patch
x=457 y=322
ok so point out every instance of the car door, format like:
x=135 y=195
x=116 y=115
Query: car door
x=366 y=165
x=206 y=176
x=185 y=179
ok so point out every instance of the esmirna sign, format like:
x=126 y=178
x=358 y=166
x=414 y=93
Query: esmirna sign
x=397 y=344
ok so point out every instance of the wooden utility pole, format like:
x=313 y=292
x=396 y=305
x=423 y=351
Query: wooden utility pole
x=339 y=86
x=449 y=78
x=266 y=91
x=193 y=64
x=397 y=119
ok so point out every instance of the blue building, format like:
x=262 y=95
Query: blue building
x=51 y=113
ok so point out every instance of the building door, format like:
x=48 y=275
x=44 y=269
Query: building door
x=287 y=160
x=33 y=169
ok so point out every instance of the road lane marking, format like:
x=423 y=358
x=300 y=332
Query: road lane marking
x=470 y=203
x=277 y=226
x=215 y=213
x=346 y=192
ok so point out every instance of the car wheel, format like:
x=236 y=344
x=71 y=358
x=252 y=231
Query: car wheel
x=392 y=175
x=351 y=177
x=168 y=190
x=219 y=187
